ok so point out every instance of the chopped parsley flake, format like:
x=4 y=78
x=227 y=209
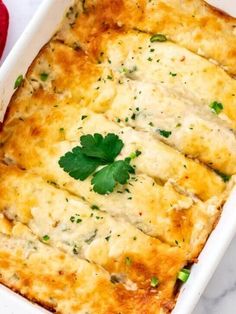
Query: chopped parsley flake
x=95 y=207
x=84 y=117
x=172 y=74
x=75 y=219
x=133 y=117
x=45 y=238
x=154 y=282
x=128 y=71
x=224 y=177
x=128 y=261
x=72 y=219
x=158 y=37
x=18 y=81
x=164 y=133
x=43 y=76
x=75 y=250
x=216 y=107
x=107 y=238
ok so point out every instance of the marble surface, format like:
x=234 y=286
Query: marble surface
x=220 y=294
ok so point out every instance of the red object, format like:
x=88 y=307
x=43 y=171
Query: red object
x=4 y=21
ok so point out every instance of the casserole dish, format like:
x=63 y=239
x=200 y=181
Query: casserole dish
x=212 y=253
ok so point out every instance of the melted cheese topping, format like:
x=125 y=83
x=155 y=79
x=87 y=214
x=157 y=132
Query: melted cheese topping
x=200 y=25
x=65 y=283
x=157 y=97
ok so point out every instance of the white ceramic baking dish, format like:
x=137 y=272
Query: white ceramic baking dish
x=39 y=31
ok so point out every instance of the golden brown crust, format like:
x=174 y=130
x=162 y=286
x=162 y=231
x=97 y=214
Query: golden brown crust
x=200 y=25
x=59 y=278
x=32 y=208
x=175 y=198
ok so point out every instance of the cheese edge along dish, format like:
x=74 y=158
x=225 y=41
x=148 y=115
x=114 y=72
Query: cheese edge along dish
x=20 y=112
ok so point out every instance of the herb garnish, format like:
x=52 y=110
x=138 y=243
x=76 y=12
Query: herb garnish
x=75 y=219
x=224 y=177
x=216 y=107
x=45 y=238
x=95 y=151
x=43 y=76
x=164 y=133
x=158 y=37
x=95 y=207
x=128 y=261
x=107 y=238
x=183 y=274
x=18 y=81
x=105 y=180
x=154 y=282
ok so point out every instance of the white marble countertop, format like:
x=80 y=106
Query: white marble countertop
x=220 y=295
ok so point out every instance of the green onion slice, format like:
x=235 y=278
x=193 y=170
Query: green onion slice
x=183 y=274
x=18 y=81
x=158 y=37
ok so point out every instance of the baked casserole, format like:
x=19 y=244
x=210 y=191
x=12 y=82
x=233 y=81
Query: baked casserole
x=118 y=151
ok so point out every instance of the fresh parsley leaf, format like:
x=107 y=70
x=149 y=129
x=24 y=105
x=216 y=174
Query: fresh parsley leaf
x=216 y=107
x=105 y=180
x=164 y=133
x=77 y=164
x=95 y=151
x=158 y=37
x=104 y=148
x=154 y=282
